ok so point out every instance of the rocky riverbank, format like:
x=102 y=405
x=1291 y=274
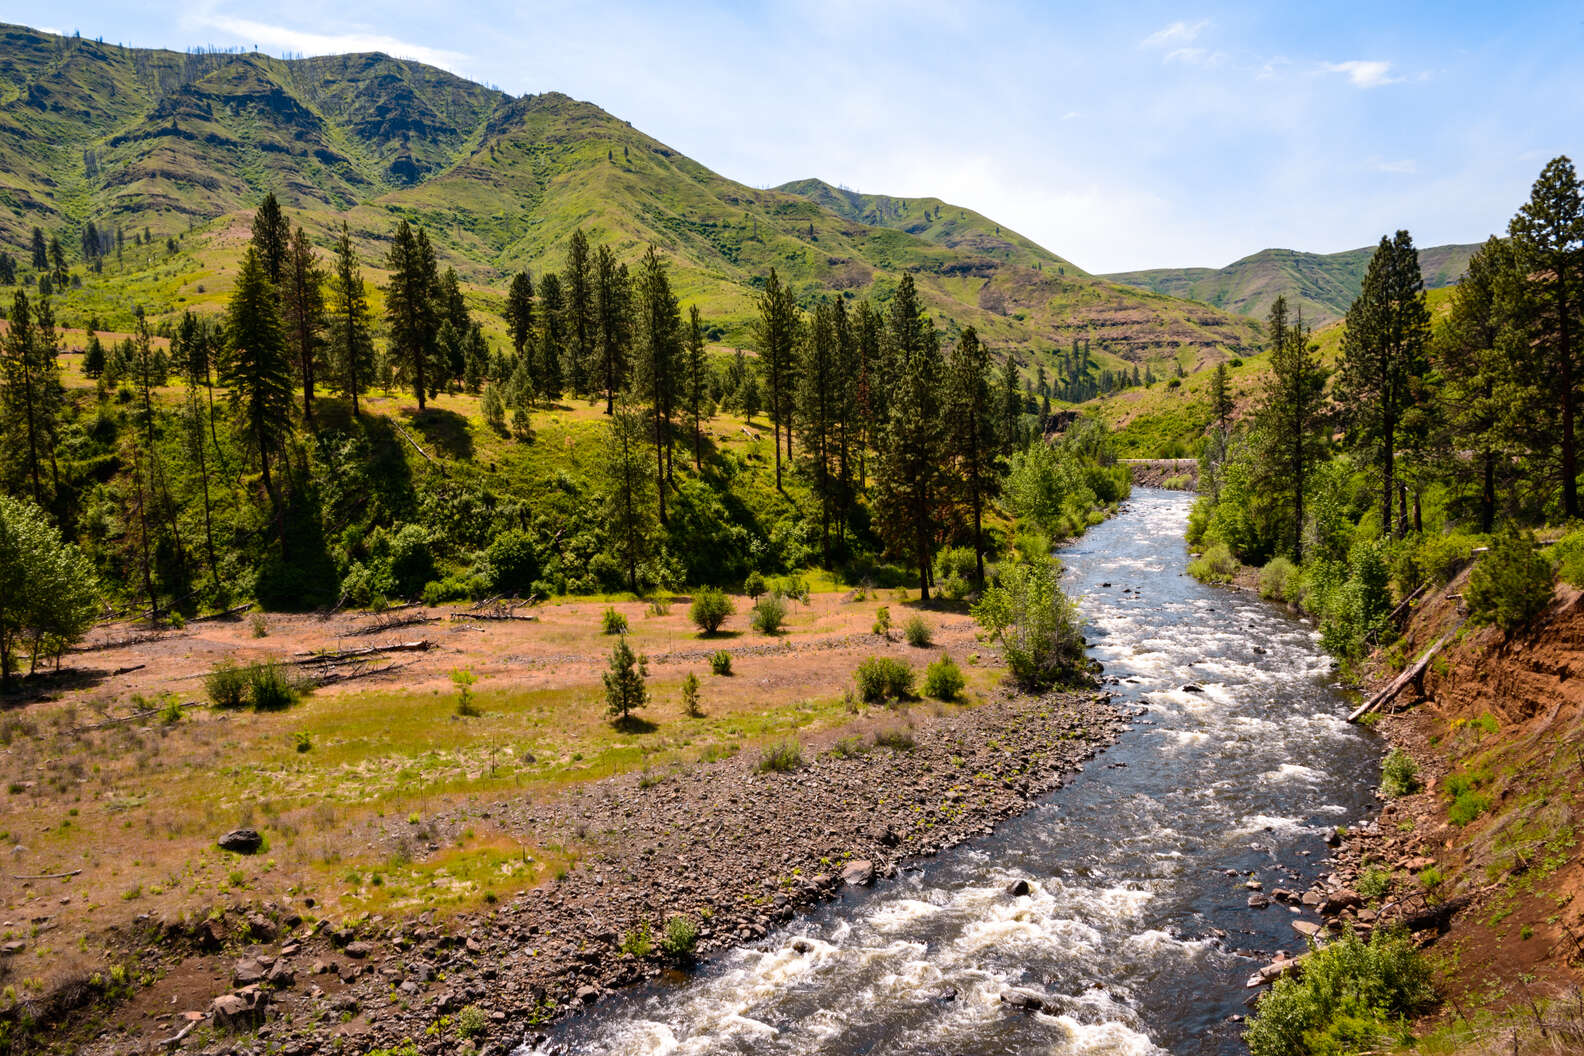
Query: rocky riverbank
x=731 y=847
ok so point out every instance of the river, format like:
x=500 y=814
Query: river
x=1237 y=763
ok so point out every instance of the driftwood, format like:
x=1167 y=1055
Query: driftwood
x=336 y=655
x=134 y=717
x=1413 y=673
x=48 y=876
x=391 y=620
x=1437 y=916
x=362 y=670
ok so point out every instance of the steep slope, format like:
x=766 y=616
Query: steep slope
x=1323 y=285
x=188 y=142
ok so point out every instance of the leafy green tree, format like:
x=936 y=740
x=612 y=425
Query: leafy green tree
x=46 y=588
x=776 y=331
x=31 y=396
x=973 y=433
x=1040 y=631
x=1548 y=242
x=1384 y=360
x=1291 y=416
x=410 y=310
x=909 y=479
x=625 y=690
x=272 y=239
x=303 y=306
x=350 y=323
x=1511 y=584
x=258 y=367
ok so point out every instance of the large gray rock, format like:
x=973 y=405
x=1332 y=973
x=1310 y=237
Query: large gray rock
x=242 y=841
x=859 y=873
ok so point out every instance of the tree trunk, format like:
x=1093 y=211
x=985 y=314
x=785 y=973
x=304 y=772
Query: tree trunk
x=1570 y=503
x=1387 y=465
x=1488 y=494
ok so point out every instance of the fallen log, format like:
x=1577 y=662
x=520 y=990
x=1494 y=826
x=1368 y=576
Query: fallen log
x=134 y=717
x=330 y=677
x=48 y=876
x=492 y=616
x=1413 y=673
x=417 y=646
x=406 y=619
x=236 y=611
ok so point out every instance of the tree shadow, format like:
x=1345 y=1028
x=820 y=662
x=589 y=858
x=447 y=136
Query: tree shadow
x=720 y=635
x=36 y=688
x=446 y=431
x=634 y=724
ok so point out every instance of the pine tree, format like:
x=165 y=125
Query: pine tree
x=59 y=273
x=1384 y=357
x=630 y=519
x=613 y=318
x=1011 y=408
x=520 y=324
x=912 y=449
x=818 y=382
x=8 y=275
x=258 y=366
x=973 y=433
x=1548 y=242
x=40 y=250
x=410 y=311
x=551 y=355
x=456 y=322
x=350 y=323
x=272 y=239
x=1220 y=398
x=31 y=396
x=302 y=303
x=581 y=325
x=660 y=355
x=625 y=690
x=696 y=382
x=776 y=333
x=192 y=345
x=1291 y=415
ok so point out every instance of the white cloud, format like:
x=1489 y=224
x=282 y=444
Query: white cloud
x=1364 y=73
x=1177 y=32
x=285 y=38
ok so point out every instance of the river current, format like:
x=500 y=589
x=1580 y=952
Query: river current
x=1137 y=934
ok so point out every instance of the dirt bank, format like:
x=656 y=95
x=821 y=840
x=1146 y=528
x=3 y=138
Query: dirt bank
x=732 y=848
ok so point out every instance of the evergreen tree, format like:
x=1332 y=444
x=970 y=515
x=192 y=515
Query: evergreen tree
x=1011 y=408
x=581 y=325
x=909 y=477
x=8 y=275
x=272 y=239
x=350 y=323
x=551 y=356
x=613 y=318
x=456 y=323
x=258 y=366
x=1384 y=359
x=816 y=413
x=1548 y=241
x=1290 y=416
x=696 y=382
x=60 y=275
x=660 y=355
x=624 y=682
x=31 y=396
x=776 y=333
x=193 y=345
x=1221 y=397
x=410 y=310
x=629 y=513
x=40 y=251
x=302 y=303
x=973 y=433
x=520 y=324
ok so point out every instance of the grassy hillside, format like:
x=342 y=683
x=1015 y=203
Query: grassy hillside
x=184 y=145
x=1323 y=285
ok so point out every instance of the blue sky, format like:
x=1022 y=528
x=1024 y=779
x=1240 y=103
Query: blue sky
x=1159 y=135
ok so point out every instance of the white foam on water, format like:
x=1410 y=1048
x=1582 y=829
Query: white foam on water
x=1293 y=772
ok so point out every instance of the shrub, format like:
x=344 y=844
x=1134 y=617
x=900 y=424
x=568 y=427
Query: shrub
x=847 y=748
x=795 y=587
x=1037 y=626
x=781 y=757
x=1568 y=553
x=1442 y=556
x=680 y=938
x=882 y=624
x=512 y=561
x=470 y=1022
x=754 y=585
x=411 y=561
x=1373 y=883
x=624 y=681
x=917 y=632
x=260 y=624
x=1354 y=608
x=710 y=609
x=1399 y=775
x=1215 y=565
x=1278 y=580
x=1467 y=802
x=958 y=561
x=613 y=622
x=226 y=684
x=955 y=587
x=638 y=942
x=303 y=741
x=1511 y=585
x=1351 y=996
x=769 y=614
x=690 y=696
x=464 y=679
x=943 y=679
x=883 y=678
x=896 y=738
x=720 y=662
x=271 y=687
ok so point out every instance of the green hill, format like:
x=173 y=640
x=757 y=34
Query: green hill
x=1323 y=285
x=184 y=144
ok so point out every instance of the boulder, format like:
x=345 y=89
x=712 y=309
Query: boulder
x=1338 y=900
x=239 y=1011
x=280 y=976
x=242 y=841
x=1025 y=1000
x=247 y=972
x=859 y=873
x=1018 y=888
x=358 y=950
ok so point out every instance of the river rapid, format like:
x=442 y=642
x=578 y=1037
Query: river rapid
x=1137 y=933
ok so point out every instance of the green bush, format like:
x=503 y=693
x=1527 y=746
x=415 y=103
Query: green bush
x=882 y=623
x=896 y=738
x=754 y=585
x=471 y=1021
x=943 y=679
x=1399 y=775
x=1353 y=609
x=639 y=941
x=1373 y=883
x=227 y=685
x=710 y=609
x=411 y=561
x=1442 y=556
x=1215 y=565
x=769 y=614
x=512 y=562
x=1568 y=553
x=680 y=938
x=271 y=687
x=883 y=678
x=1467 y=802
x=917 y=632
x=613 y=622
x=781 y=757
x=720 y=662
x=690 y=696
x=1352 y=996
x=1278 y=580
x=1039 y=629
x=957 y=561
x=1511 y=585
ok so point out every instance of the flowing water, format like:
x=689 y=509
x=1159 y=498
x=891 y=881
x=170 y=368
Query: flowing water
x=1129 y=861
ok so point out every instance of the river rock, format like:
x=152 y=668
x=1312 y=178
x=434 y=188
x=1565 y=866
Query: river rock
x=1018 y=888
x=1339 y=900
x=1258 y=901
x=1023 y=999
x=859 y=873
x=242 y=841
